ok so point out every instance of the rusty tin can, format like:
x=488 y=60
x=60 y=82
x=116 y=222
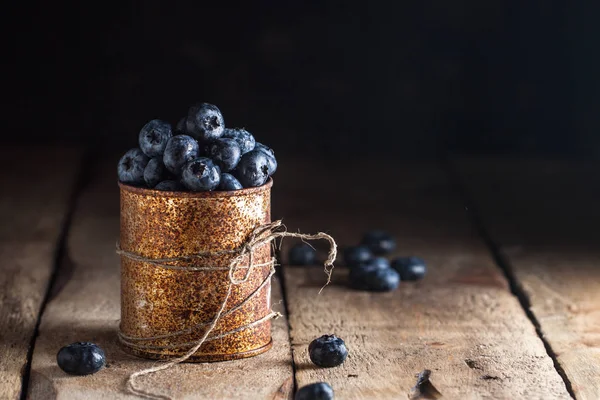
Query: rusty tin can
x=156 y=301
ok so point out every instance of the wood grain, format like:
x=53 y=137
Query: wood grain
x=461 y=321
x=87 y=309
x=544 y=218
x=36 y=188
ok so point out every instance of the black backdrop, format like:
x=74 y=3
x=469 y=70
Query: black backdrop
x=347 y=78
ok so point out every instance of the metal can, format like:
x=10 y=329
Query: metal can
x=157 y=302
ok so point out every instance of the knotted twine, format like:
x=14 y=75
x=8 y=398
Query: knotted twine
x=260 y=235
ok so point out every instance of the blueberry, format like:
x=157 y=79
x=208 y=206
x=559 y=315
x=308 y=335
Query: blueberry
x=170 y=186
x=81 y=358
x=253 y=169
x=327 y=351
x=155 y=172
x=205 y=122
x=358 y=271
x=272 y=161
x=375 y=279
x=228 y=182
x=315 y=391
x=225 y=153
x=410 y=268
x=131 y=167
x=243 y=138
x=357 y=255
x=200 y=175
x=379 y=242
x=154 y=136
x=180 y=149
x=180 y=128
x=302 y=254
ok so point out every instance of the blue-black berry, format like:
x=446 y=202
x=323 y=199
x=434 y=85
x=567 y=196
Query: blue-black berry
x=302 y=254
x=155 y=172
x=379 y=242
x=243 y=138
x=410 y=268
x=131 y=167
x=180 y=128
x=271 y=160
x=200 y=175
x=81 y=358
x=253 y=169
x=315 y=391
x=205 y=122
x=357 y=255
x=327 y=351
x=374 y=278
x=180 y=149
x=170 y=186
x=225 y=153
x=228 y=182
x=154 y=136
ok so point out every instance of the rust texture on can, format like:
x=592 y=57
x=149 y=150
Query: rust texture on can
x=156 y=301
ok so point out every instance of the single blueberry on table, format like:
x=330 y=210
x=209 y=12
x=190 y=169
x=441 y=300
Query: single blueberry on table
x=154 y=136
x=180 y=149
x=130 y=169
x=228 y=182
x=170 y=186
x=379 y=242
x=155 y=172
x=253 y=169
x=271 y=160
x=410 y=268
x=374 y=279
x=81 y=358
x=357 y=255
x=225 y=153
x=201 y=175
x=243 y=138
x=315 y=391
x=327 y=351
x=302 y=254
x=205 y=122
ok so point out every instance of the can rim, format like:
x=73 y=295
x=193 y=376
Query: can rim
x=213 y=194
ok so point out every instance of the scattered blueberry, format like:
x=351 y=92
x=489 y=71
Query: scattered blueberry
x=170 y=186
x=272 y=161
x=253 y=169
x=81 y=358
x=410 y=268
x=207 y=122
x=225 y=153
x=357 y=272
x=357 y=255
x=327 y=351
x=315 y=391
x=375 y=279
x=154 y=136
x=302 y=254
x=200 y=175
x=131 y=167
x=155 y=172
x=180 y=149
x=379 y=242
x=243 y=138
x=228 y=182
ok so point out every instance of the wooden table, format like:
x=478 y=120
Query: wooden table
x=510 y=308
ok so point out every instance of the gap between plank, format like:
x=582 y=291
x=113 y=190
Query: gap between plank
x=281 y=277
x=504 y=264
x=59 y=254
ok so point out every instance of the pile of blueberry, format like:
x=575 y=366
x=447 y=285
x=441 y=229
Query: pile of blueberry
x=199 y=155
x=369 y=270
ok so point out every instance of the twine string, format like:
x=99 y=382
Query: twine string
x=260 y=235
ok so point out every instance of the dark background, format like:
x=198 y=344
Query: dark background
x=407 y=79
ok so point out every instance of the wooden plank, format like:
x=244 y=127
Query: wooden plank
x=87 y=309
x=36 y=187
x=461 y=321
x=544 y=218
